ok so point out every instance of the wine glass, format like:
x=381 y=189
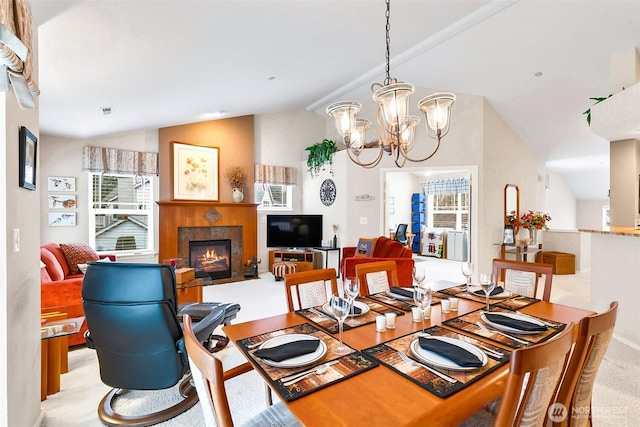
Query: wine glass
x=340 y=307
x=487 y=286
x=422 y=299
x=352 y=288
x=467 y=272
x=419 y=274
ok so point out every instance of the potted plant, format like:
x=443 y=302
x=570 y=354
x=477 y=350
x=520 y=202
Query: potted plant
x=320 y=155
x=236 y=176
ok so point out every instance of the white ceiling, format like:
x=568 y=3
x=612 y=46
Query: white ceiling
x=163 y=63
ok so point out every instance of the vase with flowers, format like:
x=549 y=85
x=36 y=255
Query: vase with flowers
x=532 y=221
x=335 y=237
x=236 y=176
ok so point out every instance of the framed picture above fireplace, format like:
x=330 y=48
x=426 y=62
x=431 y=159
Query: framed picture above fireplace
x=195 y=171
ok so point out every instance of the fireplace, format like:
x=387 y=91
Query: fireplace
x=211 y=258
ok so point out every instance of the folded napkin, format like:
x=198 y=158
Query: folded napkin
x=356 y=310
x=400 y=291
x=288 y=350
x=495 y=291
x=457 y=355
x=521 y=325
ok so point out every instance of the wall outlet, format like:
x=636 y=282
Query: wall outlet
x=364 y=220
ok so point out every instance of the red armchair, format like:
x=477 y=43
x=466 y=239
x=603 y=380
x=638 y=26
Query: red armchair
x=385 y=249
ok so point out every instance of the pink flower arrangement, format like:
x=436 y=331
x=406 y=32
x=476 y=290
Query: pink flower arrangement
x=531 y=219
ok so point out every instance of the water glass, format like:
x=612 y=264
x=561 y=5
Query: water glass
x=487 y=285
x=467 y=272
x=352 y=288
x=340 y=307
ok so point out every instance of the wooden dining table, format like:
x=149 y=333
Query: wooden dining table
x=382 y=397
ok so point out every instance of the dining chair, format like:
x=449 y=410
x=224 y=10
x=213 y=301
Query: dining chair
x=377 y=276
x=522 y=277
x=309 y=288
x=533 y=380
x=594 y=335
x=209 y=377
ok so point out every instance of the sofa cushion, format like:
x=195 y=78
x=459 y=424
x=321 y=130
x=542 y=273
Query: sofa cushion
x=52 y=264
x=78 y=253
x=365 y=248
x=387 y=248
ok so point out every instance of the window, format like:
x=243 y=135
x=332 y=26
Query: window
x=273 y=196
x=448 y=203
x=121 y=213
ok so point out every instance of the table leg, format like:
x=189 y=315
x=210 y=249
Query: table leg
x=44 y=352
x=53 y=365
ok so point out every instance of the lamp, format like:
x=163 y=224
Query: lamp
x=397 y=126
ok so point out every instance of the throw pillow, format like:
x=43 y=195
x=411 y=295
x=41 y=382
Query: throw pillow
x=78 y=253
x=365 y=248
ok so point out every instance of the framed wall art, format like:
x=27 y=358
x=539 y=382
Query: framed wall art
x=61 y=201
x=195 y=172
x=509 y=235
x=28 y=151
x=62 y=219
x=61 y=183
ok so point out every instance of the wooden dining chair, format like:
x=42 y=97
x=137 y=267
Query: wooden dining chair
x=309 y=288
x=377 y=276
x=209 y=377
x=522 y=277
x=534 y=377
x=594 y=335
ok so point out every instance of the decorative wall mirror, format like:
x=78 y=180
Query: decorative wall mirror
x=511 y=202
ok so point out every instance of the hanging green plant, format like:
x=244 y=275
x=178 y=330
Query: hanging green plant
x=320 y=155
x=588 y=112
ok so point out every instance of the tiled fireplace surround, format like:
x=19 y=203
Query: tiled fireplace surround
x=181 y=221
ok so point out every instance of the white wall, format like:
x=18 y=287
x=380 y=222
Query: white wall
x=560 y=204
x=589 y=213
x=399 y=186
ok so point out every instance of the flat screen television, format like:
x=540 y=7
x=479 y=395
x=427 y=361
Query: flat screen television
x=294 y=231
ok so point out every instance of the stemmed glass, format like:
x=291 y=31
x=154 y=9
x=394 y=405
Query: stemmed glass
x=422 y=298
x=467 y=272
x=352 y=288
x=340 y=307
x=419 y=274
x=487 y=286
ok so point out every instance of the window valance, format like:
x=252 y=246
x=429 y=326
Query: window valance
x=281 y=175
x=116 y=161
x=446 y=186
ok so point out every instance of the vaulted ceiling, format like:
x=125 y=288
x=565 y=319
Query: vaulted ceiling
x=162 y=63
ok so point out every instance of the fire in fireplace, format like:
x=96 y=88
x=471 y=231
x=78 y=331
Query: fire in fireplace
x=211 y=258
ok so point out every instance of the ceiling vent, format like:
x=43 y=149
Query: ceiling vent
x=107 y=110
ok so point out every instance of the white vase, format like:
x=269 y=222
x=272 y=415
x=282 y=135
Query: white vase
x=523 y=237
x=237 y=195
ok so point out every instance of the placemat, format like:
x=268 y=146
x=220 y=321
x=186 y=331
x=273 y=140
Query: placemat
x=467 y=323
x=329 y=323
x=403 y=305
x=387 y=353
x=513 y=302
x=347 y=366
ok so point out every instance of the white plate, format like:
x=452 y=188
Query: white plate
x=514 y=316
x=503 y=294
x=434 y=359
x=295 y=362
x=399 y=297
x=364 y=308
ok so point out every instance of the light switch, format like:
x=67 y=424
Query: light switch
x=16 y=240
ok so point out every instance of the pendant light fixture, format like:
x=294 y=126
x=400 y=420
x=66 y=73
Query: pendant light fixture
x=396 y=125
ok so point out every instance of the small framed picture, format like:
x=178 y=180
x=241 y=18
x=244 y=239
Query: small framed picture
x=62 y=219
x=509 y=235
x=61 y=201
x=61 y=183
x=27 y=158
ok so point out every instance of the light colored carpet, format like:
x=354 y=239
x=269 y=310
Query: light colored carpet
x=616 y=397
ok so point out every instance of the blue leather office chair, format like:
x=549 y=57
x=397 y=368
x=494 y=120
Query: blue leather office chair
x=133 y=320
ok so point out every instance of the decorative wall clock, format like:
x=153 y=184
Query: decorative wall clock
x=328 y=192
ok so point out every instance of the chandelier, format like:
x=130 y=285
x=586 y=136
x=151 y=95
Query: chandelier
x=396 y=126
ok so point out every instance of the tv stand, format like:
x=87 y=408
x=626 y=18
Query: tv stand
x=304 y=259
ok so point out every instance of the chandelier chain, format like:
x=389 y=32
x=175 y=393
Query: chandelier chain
x=387 y=14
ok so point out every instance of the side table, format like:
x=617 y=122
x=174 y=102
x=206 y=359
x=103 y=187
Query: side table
x=326 y=257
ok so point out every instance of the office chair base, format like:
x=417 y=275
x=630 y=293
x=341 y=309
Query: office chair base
x=111 y=418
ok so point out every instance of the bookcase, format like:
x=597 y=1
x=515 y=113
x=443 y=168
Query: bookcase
x=417 y=220
x=304 y=259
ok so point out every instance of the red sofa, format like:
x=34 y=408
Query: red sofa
x=385 y=249
x=60 y=290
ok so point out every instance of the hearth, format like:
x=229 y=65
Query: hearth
x=211 y=258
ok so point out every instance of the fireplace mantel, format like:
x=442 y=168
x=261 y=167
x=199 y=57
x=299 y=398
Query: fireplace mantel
x=174 y=214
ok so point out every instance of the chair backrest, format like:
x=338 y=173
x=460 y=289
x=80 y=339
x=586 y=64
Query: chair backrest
x=130 y=311
x=401 y=233
x=208 y=377
x=309 y=288
x=594 y=335
x=534 y=376
x=522 y=277
x=377 y=276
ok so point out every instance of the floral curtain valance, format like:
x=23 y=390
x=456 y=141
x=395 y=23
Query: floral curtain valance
x=446 y=186
x=282 y=175
x=115 y=161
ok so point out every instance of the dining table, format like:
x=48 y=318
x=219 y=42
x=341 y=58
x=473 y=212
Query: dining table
x=378 y=388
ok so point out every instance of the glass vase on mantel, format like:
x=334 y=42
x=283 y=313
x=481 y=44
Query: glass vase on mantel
x=237 y=195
